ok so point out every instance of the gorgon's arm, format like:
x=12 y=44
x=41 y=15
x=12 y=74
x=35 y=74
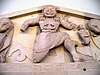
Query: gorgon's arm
x=29 y=22
x=66 y=24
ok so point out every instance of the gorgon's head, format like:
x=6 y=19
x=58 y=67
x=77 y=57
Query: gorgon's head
x=49 y=11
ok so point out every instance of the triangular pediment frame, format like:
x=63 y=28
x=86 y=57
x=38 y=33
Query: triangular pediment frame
x=62 y=9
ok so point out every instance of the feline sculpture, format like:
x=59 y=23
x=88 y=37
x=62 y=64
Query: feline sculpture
x=6 y=32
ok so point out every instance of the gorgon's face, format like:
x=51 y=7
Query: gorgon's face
x=4 y=25
x=49 y=12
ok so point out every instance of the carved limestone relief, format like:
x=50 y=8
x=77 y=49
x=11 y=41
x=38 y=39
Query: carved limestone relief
x=94 y=26
x=49 y=24
x=84 y=35
x=54 y=34
x=6 y=32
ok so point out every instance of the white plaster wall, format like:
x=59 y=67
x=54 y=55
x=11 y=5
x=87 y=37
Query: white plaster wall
x=91 y=6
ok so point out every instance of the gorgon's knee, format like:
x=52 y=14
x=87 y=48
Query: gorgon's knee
x=39 y=56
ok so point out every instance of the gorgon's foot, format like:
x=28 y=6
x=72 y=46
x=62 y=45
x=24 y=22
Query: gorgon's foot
x=77 y=58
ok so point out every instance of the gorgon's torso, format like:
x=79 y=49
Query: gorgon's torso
x=49 y=24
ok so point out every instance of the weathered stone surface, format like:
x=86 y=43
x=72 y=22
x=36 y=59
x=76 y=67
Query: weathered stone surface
x=59 y=55
x=49 y=22
x=6 y=33
x=80 y=68
x=58 y=61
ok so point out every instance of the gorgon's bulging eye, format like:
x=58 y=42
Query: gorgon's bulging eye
x=46 y=25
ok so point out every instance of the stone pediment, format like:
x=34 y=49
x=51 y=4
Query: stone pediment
x=80 y=29
x=62 y=9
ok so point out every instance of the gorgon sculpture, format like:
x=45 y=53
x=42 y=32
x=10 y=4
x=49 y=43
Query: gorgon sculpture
x=50 y=37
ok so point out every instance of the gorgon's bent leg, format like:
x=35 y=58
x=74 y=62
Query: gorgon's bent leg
x=70 y=46
x=38 y=56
